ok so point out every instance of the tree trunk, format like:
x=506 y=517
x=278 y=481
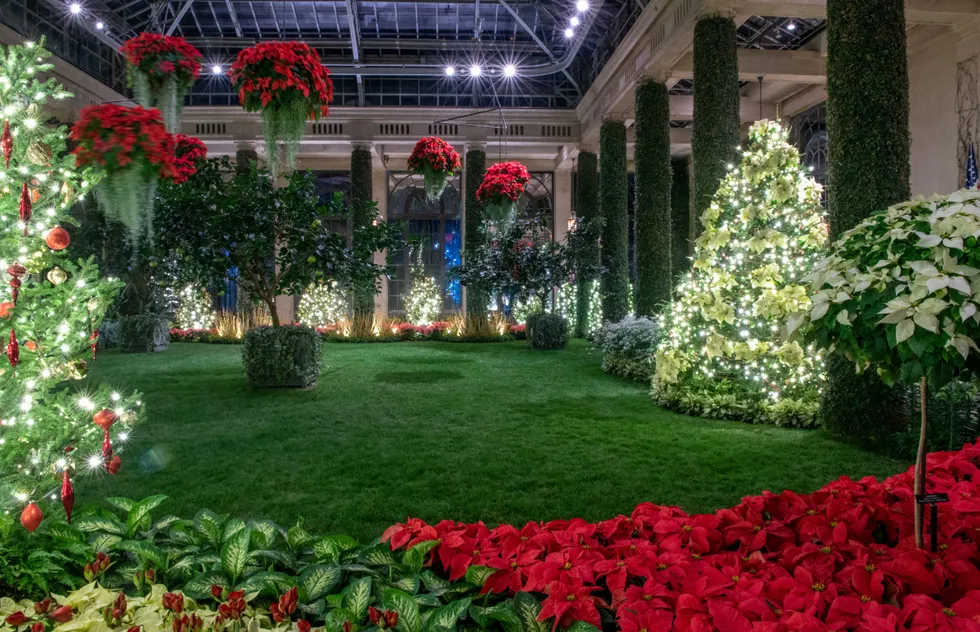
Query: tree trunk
x=920 y=468
x=271 y=302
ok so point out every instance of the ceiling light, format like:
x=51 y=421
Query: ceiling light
x=510 y=70
x=450 y=71
x=791 y=26
x=99 y=25
x=475 y=70
x=216 y=69
x=569 y=32
x=574 y=21
x=582 y=6
x=75 y=8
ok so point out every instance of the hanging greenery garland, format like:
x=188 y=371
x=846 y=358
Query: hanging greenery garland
x=133 y=150
x=161 y=70
x=437 y=161
x=502 y=186
x=288 y=84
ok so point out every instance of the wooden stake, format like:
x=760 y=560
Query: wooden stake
x=920 y=468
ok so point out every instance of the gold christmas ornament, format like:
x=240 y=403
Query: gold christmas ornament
x=93 y=303
x=57 y=276
x=78 y=370
x=39 y=153
x=67 y=191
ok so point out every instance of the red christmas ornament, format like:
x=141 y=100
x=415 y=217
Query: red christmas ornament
x=104 y=419
x=113 y=466
x=6 y=144
x=57 y=238
x=94 y=343
x=31 y=345
x=13 y=349
x=25 y=206
x=31 y=517
x=67 y=495
x=5 y=308
x=16 y=271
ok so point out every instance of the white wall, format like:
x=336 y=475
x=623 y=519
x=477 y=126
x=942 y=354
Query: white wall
x=933 y=119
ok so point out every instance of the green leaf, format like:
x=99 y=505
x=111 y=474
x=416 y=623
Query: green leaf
x=165 y=522
x=380 y=556
x=433 y=581
x=141 y=511
x=233 y=526
x=501 y=612
x=94 y=524
x=297 y=536
x=334 y=621
x=317 y=580
x=409 y=584
x=265 y=529
x=104 y=542
x=199 y=587
x=528 y=608
x=425 y=599
x=357 y=597
x=335 y=600
x=144 y=551
x=444 y=619
x=234 y=554
x=409 y=619
x=63 y=531
x=125 y=504
x=209 y=524
x=414 y=557
x=581 y=626
x=478 y=575
x=265 y=582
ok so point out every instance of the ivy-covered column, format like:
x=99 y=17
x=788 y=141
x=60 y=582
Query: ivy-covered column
x=362 y=198
x=615 y=234
x=586 y=210
x=680 y=224
x=474 y=169
x=869 y=156
x=653 y=184
x=716 y=108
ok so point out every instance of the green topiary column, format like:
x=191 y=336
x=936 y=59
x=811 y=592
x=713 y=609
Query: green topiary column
x=586 y=209
x=716 y=108
x=653 y=184
x=869 y=143
x=474 y=170
x=615 y=235
x=680 y=202
x=362 y=197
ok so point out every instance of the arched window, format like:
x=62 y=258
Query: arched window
x=435 y=227
x=538 y=202
x=810 y=137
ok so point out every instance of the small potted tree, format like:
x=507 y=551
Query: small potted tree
x=900 y=293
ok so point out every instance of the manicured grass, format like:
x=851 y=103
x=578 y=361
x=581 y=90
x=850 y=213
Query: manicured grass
x=492 y=432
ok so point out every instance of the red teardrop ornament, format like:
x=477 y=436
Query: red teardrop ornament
x=67 y=495
x=31 y=517
x=13 y=349
x=25 y=206
x=6 y=144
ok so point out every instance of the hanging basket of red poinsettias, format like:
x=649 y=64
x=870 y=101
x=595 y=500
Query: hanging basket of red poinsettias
x=133 y=150
x=437 y=161
x=161 y=70
x=502 y=186
x=288 y=84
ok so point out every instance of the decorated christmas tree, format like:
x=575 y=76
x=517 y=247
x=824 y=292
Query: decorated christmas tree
x=725 y=334
x=52 y=428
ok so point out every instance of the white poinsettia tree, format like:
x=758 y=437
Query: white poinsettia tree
x=900 y=293
x=763 y=233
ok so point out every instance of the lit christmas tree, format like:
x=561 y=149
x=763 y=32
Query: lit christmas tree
x=763 y=233
x=50 y=308
x=423 y=304
x=194 y=310
x=323 y=303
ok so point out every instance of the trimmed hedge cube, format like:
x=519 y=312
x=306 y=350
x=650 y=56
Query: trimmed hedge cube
x=547 y=331
x=278 y=357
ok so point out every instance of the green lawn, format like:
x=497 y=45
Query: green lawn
x=492 y=432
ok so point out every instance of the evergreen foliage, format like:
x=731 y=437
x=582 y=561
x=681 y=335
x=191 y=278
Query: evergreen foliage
x=587 y=209
x=653 y=211
x=363 y=214
x=477 y=296
x=680 y=203
x=613 y=207
x=717 y=107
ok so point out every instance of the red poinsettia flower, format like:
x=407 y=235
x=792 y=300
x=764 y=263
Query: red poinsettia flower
x=282 y=75
x=162 y=57
x=115 y=137
x=433 y=153
x=503 y=182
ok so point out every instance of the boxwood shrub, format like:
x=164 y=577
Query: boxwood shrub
x=281 y=356
x=628 y=347
x=547 y=331
x=144 y=333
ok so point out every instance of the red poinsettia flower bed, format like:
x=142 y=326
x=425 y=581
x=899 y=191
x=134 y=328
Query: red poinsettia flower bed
x=841 y=558
x=188 y=150
x=435 y=154
x=115 y=137
x=162 y=57
x=277 y=73
x=504 y=182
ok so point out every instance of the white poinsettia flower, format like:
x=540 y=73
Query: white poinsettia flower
x=963 y=344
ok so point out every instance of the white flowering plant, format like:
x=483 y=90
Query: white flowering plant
x=901 y=291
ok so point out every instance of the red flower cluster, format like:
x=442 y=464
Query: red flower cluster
x=279 y=73
x=842 y=558
x=503 y=183
x=188 y=150
x=435 y=154
x=114 y=137
x=162 y=57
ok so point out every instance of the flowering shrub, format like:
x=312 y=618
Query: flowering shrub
x=161 y=70
x=288 y=84
x=133 y=149
x=627 y=347
x=437 y=161
x=841 y=558
x=502 y=186
x=188 y=151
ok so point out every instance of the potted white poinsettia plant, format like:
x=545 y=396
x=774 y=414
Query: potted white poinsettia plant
x=900 y=293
